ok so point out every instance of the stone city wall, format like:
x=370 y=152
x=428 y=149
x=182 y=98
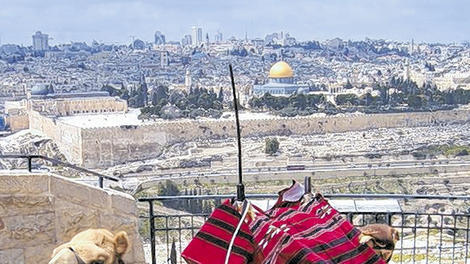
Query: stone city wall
x=67 y=137
x=17 y=121
x=40 y=211
x=190 y=130
x=108 y=146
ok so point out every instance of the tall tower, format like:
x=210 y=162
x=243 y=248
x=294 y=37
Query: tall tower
x=187 y=79
x=412 y=47
x=40 y=41
x=164 y=59
x=407 y=72
x=159 y=38
x=196 y=35
x=218 y=37
x=144 y=88
x=187 y=40
x=199 y=36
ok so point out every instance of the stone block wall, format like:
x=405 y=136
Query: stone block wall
x=17 y=122
x=108 y=146
x=67 y=137
x=40 y=211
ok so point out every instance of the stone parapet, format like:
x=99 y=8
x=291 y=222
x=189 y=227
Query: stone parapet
x=39 y=211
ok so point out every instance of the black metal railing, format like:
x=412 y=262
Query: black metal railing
x=56 y=162
x=436 y=237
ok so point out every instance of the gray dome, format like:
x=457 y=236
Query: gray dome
x=39 y=89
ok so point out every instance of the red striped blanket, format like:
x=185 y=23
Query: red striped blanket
x=310 y=233
x=290 y=232
x=211 y=242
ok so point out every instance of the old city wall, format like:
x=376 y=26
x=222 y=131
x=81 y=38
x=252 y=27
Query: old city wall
x=114 y=145
x=40 y=211
x=190 y=130
x=67 y=137
x=109 y=146
x=17 y=122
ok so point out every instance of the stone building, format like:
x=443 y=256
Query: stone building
x=43 y=100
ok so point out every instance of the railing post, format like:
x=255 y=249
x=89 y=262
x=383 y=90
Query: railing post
x=152 y=232
x=30 y=163
x=388 y=219
x=100 y=182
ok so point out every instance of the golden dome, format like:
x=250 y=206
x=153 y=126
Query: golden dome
x=281 y=69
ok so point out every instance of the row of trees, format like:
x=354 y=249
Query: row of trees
x=198 y=102
x=169 y=188
x=136 y=98
x=165 y=104
x=303 y=104
x=407 y=93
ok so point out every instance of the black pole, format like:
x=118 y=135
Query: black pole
x=100 y=182
x=152 y=233
x=240 y=186
x=30 y=163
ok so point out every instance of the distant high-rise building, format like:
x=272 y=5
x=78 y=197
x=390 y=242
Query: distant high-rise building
x=199 y=35
x=40 y=41
x=412 y=47
x=159 y=38
x=187 y=40
x=196 y=35
x=218 y=37
x=164 y=59
x=207 y=39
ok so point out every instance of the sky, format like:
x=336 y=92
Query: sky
x=119 y=21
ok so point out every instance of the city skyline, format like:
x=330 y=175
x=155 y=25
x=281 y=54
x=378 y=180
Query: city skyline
x=120 y=21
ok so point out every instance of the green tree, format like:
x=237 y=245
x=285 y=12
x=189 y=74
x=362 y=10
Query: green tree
x=271 y=146
x=169 y=188
x=160 y=94
x=344 y=99
x=367 y=99
x=220 y=97
x=415 y=101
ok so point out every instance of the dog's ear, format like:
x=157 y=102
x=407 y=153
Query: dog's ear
x=395 y=235
x=121 y=242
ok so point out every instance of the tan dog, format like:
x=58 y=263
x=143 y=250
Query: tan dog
x=92 y=246
x=382 y=238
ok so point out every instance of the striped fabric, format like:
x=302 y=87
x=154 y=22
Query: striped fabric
x=310 y=233
x=211 y=242
x=290 y=232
